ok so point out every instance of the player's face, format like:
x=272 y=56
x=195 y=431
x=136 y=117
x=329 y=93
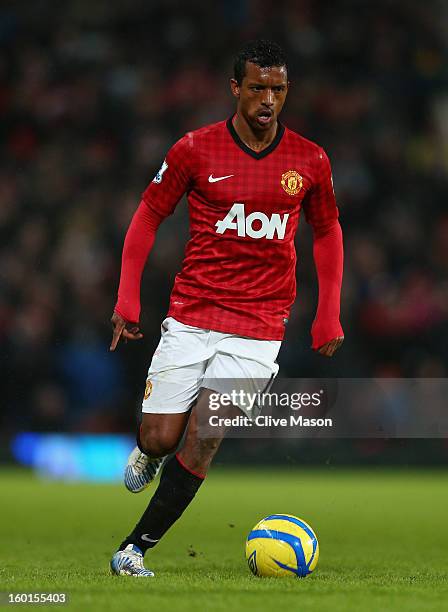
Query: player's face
x=261 y=95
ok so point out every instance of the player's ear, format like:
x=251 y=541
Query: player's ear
x=235 y=88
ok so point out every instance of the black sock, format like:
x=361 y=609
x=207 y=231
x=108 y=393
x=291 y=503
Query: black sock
x=177 y=488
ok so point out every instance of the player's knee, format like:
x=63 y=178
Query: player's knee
x=158 y=443
x=198 y=454
x=202 y=449
x=207 y=447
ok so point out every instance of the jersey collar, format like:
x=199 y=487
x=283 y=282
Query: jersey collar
x=248 y=150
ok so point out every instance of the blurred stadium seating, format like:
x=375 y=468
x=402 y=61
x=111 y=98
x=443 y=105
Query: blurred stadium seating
x=92 y=94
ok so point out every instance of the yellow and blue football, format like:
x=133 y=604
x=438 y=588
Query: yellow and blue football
x=282 y=545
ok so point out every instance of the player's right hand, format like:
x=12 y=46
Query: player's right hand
x=123 y=329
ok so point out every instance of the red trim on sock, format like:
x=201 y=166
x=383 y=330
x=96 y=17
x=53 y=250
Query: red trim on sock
x=201 y=476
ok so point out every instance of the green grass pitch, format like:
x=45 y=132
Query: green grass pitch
x=383 y=538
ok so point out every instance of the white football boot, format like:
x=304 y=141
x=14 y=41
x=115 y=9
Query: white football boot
x=141 y=470
x=129 y=562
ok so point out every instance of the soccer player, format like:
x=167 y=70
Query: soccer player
x=246 y=180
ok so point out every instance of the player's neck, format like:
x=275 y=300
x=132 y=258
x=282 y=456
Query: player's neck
x=257 y=141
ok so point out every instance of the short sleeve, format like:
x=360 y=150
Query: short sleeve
x=173 y=179
x=320 y=206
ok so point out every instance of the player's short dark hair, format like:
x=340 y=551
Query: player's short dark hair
x=263 y=53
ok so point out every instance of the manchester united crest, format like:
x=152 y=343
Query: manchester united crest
x=292 y=182
x=148 y=389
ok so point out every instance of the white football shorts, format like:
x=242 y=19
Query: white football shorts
x=189 y=358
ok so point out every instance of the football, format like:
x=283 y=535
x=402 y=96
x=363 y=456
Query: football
x=282 y=545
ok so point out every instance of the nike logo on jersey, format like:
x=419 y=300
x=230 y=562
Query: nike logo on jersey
x=215 y=179
x=255 y=225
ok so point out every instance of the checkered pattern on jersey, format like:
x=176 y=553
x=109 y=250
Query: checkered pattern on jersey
x=241 y=279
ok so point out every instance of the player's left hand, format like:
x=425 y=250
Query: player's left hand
x=329 y=349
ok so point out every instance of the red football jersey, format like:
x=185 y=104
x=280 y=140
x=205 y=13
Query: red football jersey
x=238 y=275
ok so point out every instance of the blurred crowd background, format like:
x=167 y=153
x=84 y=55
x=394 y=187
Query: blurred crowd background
x=93 y=94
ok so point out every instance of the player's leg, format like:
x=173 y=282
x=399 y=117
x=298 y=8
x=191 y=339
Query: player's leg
x=199 y=447
x=176 y=489
x=181 y=478
x=183 y=474
x=172 y=386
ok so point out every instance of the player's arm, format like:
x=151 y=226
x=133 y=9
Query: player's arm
x=322 y=213
x=158 y=201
